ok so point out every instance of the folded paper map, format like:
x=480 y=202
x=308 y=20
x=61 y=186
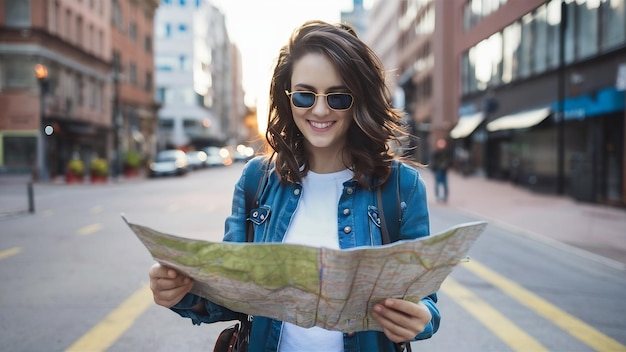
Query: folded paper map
x=307 y=286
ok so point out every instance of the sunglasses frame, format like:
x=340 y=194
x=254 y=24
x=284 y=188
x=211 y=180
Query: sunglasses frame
x=290 y=95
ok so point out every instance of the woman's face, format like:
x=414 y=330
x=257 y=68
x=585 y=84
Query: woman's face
x=323 y=128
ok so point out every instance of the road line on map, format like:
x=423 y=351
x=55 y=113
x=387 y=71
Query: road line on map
x=572 y=325
x=501 y=326
x=89 y=229
x=109 y=329
x=6 y=253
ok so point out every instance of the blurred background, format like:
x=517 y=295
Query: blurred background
x=531 y=92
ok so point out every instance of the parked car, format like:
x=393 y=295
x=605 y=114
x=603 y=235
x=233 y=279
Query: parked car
x=216 y=156
x=197 y=159
x=169 y=163
x=243 y=153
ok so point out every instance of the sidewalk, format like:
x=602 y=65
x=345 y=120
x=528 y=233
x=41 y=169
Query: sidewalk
x=592 y=230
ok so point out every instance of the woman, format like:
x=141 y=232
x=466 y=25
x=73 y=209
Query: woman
x=329 y=127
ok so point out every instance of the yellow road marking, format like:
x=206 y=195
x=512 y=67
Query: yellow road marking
x=572 y=325
x=103 y=335
x=501 y=326
x=89 y=229
x=4 y=254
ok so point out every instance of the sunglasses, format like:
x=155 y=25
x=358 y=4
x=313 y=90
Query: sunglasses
x=335 y=101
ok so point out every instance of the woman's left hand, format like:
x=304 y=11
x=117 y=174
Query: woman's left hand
x=401 y=320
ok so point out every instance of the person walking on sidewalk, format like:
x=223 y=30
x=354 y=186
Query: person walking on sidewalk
x=328 y=130
x=440 y=162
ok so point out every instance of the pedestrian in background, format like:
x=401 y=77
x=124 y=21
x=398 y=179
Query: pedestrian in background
x=439 y=163
x=329 y=126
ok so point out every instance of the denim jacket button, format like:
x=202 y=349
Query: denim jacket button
x=346 y=211
x=347 y=229
x=350 y=190
x=296 y=191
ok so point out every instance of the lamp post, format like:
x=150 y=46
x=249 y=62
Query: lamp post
x=41 y=72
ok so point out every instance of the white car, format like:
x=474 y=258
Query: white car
x=169 y=162
x=216 y=156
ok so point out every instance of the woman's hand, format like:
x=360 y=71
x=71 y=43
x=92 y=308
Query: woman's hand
x=401 y=320
x=168 y=286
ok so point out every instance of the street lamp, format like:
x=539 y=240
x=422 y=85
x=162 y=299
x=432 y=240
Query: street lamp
x=41 y=72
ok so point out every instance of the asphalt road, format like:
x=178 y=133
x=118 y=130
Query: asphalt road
x=74 y=276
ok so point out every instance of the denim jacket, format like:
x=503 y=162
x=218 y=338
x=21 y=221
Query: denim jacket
x=357 y=226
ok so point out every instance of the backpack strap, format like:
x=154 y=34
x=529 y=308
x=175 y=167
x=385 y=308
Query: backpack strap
x=388 y=198
x=255 y=181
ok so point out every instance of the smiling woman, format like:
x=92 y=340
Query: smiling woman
x=329 y=129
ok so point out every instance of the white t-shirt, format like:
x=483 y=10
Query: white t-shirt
x=315 y=224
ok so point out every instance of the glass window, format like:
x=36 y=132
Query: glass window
x=613 y=23
x=588 y=12
x=511 y=47
x=17 y=13
x=570 y=32
x=182 y=28
x=553 y=28
x=166 y=124
x=20 y=152
x=540 y=59
x=526 y=46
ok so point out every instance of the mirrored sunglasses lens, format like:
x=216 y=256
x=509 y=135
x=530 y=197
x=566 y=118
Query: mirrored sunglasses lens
x=339 y=101
x=303 y=99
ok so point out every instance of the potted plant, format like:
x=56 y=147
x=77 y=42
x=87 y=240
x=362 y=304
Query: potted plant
x=132 y=163
x=75 y=171
x=99 y=170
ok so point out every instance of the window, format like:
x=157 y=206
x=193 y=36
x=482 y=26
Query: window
x=588 y=24
x=540 y=56
x=511 y=47
x=132 y=73
x=553 y=34
x=613 y=23
x=19 y=152
x=132 y=31
x=148 y=82
x=166 y=124
x=17 y=13
x=147 y=43
x=116 y=13
x=526 y=46
x=182 y=28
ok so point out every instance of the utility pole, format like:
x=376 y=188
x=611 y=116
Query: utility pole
x=41 y=72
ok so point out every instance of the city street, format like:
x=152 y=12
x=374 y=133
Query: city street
x=74 y=276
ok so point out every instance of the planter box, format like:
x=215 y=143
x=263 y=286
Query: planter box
x=99 y=179
x=71 y=178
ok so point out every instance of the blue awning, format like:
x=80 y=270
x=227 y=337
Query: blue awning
x=605 y=101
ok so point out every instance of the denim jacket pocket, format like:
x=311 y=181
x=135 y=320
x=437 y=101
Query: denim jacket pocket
x=259 y=215
x=372 y=213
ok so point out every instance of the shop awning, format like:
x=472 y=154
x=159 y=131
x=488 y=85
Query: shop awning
x=466 y=125
x=519 y=120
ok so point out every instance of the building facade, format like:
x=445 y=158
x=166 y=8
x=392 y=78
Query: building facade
x=68 y=114
x=526 y=91
x=197 y=84
x=71 y=40
x=135 y=109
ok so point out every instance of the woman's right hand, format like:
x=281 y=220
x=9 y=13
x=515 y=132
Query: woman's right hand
x=168 y=286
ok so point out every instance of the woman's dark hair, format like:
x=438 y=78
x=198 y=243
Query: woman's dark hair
x=374 y=121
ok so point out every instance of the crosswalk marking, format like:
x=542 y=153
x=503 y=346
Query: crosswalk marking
x=572 y=325
x=9 y=252
x=103 y=335
x=505 y=329
x=89 y=229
